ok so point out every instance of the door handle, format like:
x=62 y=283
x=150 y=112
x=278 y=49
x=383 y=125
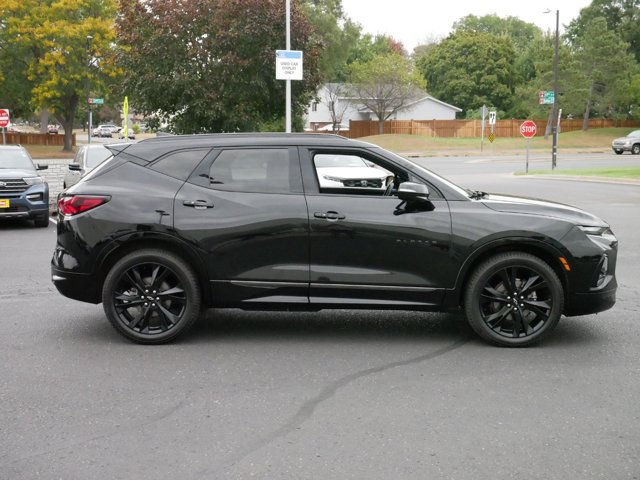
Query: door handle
x=331 y=215
x=197 y=204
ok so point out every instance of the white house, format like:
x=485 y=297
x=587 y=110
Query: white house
x=319 y=115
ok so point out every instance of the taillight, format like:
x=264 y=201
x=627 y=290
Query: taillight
x=76 y=204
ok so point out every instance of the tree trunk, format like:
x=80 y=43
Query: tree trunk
x=587 y=111
x=380 y=127
x=67 y=121
x=44 y=120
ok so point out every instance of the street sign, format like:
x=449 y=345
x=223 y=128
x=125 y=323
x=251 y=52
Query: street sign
x=5 y=119
x=125 y=112
x=492 y=117
x=546 y=97
x=528 y=129
x=492 y=137
x=96 y=101
x=288 y=65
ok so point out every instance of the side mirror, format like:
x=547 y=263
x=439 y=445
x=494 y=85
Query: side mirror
x=74 y=167
x=412 y=192
x=42 y=167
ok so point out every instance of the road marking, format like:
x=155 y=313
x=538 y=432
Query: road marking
x=51 y=219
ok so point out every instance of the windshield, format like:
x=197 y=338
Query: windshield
x=15 y=158
x=634 y=134
x=95 y=156
x=326 y=161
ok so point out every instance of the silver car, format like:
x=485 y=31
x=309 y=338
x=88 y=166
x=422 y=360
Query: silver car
x=87 y=158
x=630 y=143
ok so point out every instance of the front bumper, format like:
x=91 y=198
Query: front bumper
x=592 y=302
x=31 y=203
x=622 y=147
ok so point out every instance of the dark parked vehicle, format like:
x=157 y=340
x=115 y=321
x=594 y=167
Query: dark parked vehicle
x=172 y=225
x=23 y=193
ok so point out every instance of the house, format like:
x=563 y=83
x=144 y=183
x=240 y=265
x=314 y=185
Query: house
x=319 y=116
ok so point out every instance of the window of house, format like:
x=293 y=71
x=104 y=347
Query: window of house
x=314 y=106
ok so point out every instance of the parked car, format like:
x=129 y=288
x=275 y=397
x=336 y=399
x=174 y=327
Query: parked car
x=630 y=143
x=102 y=131
x=130 y=134
x=171 y=225
x=105 y=130
x=52 y=129
x=23 y=193
x=86 y=159
x=335 y=170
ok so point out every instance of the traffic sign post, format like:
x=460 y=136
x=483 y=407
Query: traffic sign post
x=5 y=120
x=528 y=129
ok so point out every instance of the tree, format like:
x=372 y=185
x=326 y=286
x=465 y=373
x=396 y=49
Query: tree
x=334 y=97
x=470 y=69
x=52 y=35
x=209 y=65
x=333 y=32
x=621 y=16
x=385 y=84
x=606 y=65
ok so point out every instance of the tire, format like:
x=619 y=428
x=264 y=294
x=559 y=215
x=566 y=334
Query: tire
x=488 y=299
x=635 y=150
x=151 y=296
x=618 y=152
x=41 y=221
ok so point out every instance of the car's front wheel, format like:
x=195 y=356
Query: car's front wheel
x=41 y=221
x=151 y=296
x=513 y=299
x=618 y=152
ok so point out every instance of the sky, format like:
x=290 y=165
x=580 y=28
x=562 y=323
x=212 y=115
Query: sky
x=415 y=21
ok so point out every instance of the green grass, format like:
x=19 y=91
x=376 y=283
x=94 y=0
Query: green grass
x=598 y=139
x=613 y=172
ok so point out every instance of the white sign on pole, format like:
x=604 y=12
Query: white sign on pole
x=492 y=117
x=288 y=65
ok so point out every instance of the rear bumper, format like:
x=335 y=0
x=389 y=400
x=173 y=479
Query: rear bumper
x=78 y=286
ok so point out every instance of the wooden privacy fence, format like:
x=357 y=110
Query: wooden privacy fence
x=472 y=128
x=37 y=139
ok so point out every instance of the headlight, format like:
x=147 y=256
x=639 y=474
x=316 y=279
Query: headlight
x=592 y=230
x=332 y=179
x=33 y=180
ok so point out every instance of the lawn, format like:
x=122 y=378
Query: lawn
x=615 y=172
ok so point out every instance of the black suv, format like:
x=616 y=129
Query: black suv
x=23 y=193
x=170 y=226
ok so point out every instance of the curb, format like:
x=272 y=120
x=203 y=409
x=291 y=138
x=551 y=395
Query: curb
x=589 y=179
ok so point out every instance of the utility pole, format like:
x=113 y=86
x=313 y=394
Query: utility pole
x=555 y=119
x=288 y=81
x=88 y=90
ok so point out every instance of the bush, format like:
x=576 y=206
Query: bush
x=136 y=128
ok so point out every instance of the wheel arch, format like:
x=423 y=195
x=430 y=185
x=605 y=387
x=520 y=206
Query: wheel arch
x=542 y=250
x=154 y=240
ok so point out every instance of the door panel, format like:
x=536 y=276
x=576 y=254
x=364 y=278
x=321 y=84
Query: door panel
x=255 y=244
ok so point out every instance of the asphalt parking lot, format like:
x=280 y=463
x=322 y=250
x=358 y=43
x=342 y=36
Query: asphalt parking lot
x=328 y=395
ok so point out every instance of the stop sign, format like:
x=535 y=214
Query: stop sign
x=528 y=129
x=4 y=118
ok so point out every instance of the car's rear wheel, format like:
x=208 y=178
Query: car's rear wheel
x=513 y=299
x=636 y=149
x=151 y=296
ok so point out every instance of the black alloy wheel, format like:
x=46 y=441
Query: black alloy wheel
x=151 y=296
x=514 y=299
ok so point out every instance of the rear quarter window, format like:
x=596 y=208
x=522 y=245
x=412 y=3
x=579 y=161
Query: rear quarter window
x=181 y=163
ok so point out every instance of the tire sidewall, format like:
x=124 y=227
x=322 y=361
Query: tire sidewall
x=489 y=268
x=181 y=270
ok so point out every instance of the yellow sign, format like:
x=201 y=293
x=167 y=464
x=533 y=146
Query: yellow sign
x=125 y=113
x=492 y=137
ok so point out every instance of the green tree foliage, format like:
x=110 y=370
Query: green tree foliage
x=520 y=32
x=365 y=49
x=607 y=67
x=51 y=36
x=209 y=65
x=469 y=69
x=333 y=32
x=621 y=16
x=385 y=84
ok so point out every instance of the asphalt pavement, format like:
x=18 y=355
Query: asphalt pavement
x=327 y=395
